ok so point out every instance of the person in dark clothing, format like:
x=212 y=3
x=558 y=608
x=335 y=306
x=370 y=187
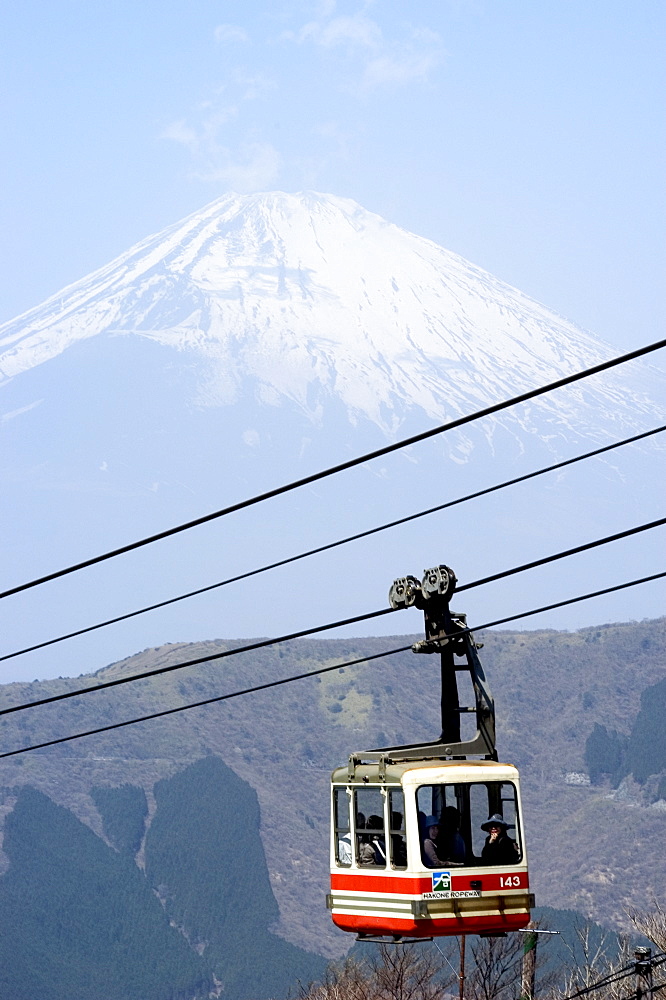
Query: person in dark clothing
x=373 y=850
x=450 y=844
x=398 y=846
x=499 y=849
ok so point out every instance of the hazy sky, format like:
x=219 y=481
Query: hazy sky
x=527 y=136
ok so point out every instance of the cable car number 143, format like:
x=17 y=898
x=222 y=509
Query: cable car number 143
x=509 y=881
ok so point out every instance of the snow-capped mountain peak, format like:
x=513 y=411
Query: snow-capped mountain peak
x=307 y=297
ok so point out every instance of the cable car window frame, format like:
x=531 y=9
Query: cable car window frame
x=397 y=833
x=339 y=829
x=494 y=801
x=362 y=836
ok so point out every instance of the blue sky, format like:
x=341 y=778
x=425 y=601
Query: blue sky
x=527 y=136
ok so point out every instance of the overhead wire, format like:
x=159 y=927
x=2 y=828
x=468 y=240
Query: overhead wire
x=331 y=545
x=616 y=976
x=564 y=554
x=610 y=980
x=314 y=673
x=168 y=668
x=340 y=467
x=643 y=994
x=444 y=956
x=262 y=643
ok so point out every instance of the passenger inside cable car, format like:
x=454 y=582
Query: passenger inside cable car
x=499 y=848
x=460 y=812
x=453 y=826
x=437 y=854
x=443 y=845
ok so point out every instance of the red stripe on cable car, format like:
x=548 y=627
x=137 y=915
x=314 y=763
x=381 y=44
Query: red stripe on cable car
x=369 y=882
x=380 y=883
x=428 y=928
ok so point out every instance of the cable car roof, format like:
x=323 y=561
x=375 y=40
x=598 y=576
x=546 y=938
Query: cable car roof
x=427 y=772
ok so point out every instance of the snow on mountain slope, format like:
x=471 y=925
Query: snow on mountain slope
x=262 y=339
x=309 y=297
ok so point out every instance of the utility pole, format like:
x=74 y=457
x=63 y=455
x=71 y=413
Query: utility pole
x=462 y=968
x=643 y=970
x=529 y=962
x=528 y=981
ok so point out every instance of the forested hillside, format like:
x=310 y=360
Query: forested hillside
x=188 y=837
x=76 y=913
x=641 y=753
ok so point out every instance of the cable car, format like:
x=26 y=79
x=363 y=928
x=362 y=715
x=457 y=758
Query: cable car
x=427 y=840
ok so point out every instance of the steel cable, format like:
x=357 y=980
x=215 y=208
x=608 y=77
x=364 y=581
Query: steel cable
x=302 y=676
x=341 y=467
x=337 y=624
x=330 y=545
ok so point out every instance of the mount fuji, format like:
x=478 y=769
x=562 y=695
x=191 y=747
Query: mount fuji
x=267 y=337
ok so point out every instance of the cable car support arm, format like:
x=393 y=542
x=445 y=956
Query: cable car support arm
x=432 y=595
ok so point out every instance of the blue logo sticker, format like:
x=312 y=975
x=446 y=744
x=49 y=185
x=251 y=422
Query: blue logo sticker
x=441 y=881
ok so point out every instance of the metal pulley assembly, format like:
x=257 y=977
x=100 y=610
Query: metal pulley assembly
x=405 y=593
x=438 y=583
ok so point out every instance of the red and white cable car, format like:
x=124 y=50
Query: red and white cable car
x=428 y=840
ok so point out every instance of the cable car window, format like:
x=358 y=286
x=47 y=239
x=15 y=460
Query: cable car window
x=452 y=820
x=480 y=810
x=397 y=840
x=343 y=847
x=370 y=839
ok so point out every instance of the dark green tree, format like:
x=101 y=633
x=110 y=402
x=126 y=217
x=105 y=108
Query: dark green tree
x=124 y=811
x=605 y=754
x=646 y=752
